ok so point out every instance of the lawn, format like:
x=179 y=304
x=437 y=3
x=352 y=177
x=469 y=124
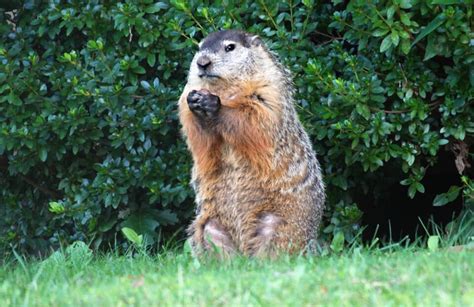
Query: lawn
x=405 y=277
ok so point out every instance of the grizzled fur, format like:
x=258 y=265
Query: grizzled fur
x=258 y=183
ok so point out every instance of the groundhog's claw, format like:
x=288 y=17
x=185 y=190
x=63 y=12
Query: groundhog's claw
x=203 y=103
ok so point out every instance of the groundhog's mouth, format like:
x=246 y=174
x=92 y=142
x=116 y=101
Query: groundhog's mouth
x=208 y=76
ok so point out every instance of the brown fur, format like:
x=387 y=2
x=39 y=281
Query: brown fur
x=244 y=129
x=204 y=145
x=257 y=181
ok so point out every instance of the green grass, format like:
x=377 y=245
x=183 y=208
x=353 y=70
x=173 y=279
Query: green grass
x=360 y=277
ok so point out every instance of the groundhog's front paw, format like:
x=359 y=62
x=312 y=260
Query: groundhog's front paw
x=203 y=103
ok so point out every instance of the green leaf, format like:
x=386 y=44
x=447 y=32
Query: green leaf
x=363 y=110
x=340 y=181
x=405 y=19
x=92 y=45
x=4 y=87
x=337 y=243
x=448 y=2
x=410 y=159
x=445 y=198
x=104 y=227
x=132 y=236
x=179 y=4
x=139 y=70
x=433 y=48
x=145 y=84
x=433 y=243
x=144 y=224
x=156 y=7
x=380 y=32
x=395 y=38
x=406 y=46
x=412 y=191
x=43 y=154
x=14 y=99
x=386 y=43
x=433 y=25
x=156 y=83
x=390 y=12
x=420 y=187
x=405 y=4
x=151 y=59
x=56 y=207
x=355 y=142
x=167 y=217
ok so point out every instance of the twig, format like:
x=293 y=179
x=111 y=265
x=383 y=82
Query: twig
x=4 y=166
x=40 y=187
x=328 y=36
x=431 y=106
x=262 y=3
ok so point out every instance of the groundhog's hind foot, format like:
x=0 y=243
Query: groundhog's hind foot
x=217 y=239
x=263 y=243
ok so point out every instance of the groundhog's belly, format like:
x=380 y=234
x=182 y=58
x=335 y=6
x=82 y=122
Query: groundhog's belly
x=240 y=191
x=239 y=199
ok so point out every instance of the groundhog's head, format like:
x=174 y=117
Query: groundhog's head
x=230 y=56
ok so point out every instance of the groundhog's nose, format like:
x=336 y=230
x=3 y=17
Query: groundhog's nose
x=203 y=62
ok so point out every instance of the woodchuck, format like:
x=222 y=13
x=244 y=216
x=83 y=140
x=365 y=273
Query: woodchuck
x=258 y=184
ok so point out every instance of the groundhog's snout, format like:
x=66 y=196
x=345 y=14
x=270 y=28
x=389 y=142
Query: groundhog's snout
x=203 y=62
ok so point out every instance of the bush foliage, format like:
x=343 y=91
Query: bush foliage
x=89 y=136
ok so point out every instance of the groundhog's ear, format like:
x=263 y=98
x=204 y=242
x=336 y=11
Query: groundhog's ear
x=255 y=40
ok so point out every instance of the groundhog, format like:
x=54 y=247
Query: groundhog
x=258 y=184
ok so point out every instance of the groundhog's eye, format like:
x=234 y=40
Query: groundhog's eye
x=229 y=47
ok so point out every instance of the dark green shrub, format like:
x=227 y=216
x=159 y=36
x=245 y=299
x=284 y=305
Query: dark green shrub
x=89 y=138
